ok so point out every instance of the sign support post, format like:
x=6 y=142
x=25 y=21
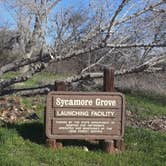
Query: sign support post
x=108 y=82
x=52 y=143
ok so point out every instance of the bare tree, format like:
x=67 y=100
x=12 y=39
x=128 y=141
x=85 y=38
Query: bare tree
x=111 y=28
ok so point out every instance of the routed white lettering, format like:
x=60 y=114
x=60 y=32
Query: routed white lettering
x=84 y=102
x=73 y=102
x=100 y=102
x=72 y=113
x=58 y=101
x=102 y=113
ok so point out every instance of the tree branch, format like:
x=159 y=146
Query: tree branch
x=112 y=21
x=135 y=45
x=34 y=69
x=150 y=64
x=52 y=5
x=139 y=13
x=23 y=62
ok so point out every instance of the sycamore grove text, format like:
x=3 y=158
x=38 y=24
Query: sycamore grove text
x=84 y=102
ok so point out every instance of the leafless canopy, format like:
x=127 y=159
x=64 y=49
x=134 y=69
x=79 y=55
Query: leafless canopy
x=125 y=34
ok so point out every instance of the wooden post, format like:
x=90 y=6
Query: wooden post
x=109 y=146
x=108 y=82
x=119 y=145
x=60 y=86
x=52 y=143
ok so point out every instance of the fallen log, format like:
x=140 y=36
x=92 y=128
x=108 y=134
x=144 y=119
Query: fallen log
x=29 y=91
x=22 y=78
x=83 y=83
x=146 y=67
x=23 y=62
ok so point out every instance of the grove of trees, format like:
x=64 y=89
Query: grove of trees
x=128 y=35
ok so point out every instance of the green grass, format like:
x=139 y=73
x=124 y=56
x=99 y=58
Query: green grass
x=38 y=79
x=143 y=107
x=10 y=75
x=23 y=145
x=27 y=102
x=35 y=103
x=42 y=78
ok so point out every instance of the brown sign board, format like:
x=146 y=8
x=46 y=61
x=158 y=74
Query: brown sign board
x=80 y=115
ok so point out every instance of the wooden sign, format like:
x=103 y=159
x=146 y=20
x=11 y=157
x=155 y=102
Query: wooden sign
x=79 y=115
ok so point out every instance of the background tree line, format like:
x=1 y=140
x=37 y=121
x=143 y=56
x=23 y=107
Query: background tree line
x=125 y=34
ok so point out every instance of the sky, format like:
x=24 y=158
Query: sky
x=6 y=15
x=8 y=19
